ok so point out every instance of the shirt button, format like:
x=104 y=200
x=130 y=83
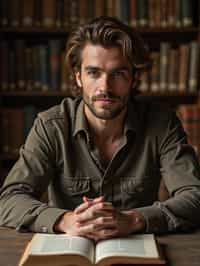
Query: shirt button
x=44 y=229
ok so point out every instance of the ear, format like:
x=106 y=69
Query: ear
x=78 y=79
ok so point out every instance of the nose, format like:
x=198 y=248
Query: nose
x=105 y=83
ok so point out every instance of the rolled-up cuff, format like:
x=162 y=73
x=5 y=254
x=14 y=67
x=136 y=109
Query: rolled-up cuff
x=46 y=220
x=154 y=218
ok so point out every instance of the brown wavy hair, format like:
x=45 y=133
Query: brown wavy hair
x=108 y=32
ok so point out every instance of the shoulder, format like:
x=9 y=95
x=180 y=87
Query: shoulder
x=65 y=111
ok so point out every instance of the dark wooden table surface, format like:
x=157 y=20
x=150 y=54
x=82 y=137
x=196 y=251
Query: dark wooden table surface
x=179 y=249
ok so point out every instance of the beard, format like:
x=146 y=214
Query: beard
x=106 y=112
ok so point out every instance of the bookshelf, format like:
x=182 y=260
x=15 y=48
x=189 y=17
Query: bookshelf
x=40 y=24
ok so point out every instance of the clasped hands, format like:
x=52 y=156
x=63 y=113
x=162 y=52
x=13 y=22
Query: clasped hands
x=97 y=219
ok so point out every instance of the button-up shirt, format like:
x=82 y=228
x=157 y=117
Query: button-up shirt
x=59 y=154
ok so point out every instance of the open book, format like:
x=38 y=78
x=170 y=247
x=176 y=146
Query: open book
x=63 y=250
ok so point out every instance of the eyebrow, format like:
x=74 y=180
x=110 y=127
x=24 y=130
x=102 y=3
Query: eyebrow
x=122 y=68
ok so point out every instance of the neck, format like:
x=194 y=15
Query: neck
x=106 y=130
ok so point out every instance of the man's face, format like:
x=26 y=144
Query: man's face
x=106 y=80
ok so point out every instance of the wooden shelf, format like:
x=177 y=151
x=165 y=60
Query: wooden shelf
x=33 y=94
x=144 y=31
x=177 y=98
x=63 y=30
x=171 y=98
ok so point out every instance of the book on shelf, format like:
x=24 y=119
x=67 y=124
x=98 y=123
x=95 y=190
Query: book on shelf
x=164 y=65
x=4 y=66
x=4 y=13
x=155 y=77
x=183 y=67
x=48 y=13
x=193 y=66
x=143 y=13
x=173 y=69
x=54 y=64
x=63 y=250
x=28 y=13
x=59 y=13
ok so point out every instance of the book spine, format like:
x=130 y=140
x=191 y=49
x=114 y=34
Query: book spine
x=171 y=13
x=155 y=77
x=64 y=74
x=157 y=13
x=19 y=46
x=28 y=13
x=14 y=13
x=187 y=20
x=163 y=13
x=91 y=9
x=125 y=11
x=38 y=12
x=183 y=67
x=83 y=11
x=12 y=70
x=36 y=68
x=74 y=13
x=48 y=13
x=164 y=63
x=193 y=67
x=111 y=7
x=178 y=13
x=133 y=13
x=4 y=21
x=100 y=8
x=59 y=13
x=55 y=63
x=173 y=70
x=4 y=66
x=44 y=70
x=66 y=21
x=142 y=13
x=29 y=68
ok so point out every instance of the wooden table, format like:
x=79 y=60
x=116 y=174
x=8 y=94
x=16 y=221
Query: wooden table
x=179 y=249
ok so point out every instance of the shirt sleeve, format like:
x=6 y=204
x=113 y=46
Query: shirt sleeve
x=181 y=173
x=20 y=205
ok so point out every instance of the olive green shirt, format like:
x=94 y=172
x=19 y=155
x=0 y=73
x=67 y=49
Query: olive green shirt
x=59 y=154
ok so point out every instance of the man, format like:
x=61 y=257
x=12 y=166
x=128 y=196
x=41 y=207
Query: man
x=103 y=155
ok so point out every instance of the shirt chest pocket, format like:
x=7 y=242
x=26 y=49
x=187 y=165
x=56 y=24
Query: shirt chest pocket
x=77 y=186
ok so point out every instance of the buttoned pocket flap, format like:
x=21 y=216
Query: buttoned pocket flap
x=78 y=186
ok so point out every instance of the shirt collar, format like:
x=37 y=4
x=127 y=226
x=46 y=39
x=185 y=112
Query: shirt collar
x=131 y=123
x=81 y=124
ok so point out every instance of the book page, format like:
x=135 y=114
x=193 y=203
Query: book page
x=50 y=244
x=138 y=246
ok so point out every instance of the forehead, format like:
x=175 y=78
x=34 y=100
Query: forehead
x=99 y=56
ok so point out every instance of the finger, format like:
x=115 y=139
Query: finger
x=93 y=200
x=95 y=211
x=81 y=208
